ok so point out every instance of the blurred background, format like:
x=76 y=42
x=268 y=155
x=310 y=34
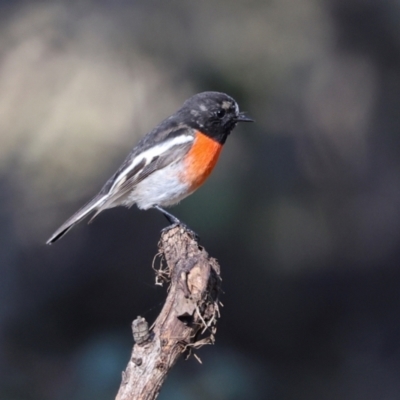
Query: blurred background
x=302 y=211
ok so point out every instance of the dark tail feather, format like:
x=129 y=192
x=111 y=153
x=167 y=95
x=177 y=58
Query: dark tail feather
x=77 y=217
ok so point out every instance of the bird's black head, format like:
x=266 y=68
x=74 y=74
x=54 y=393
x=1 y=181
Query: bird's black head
x=213 y=113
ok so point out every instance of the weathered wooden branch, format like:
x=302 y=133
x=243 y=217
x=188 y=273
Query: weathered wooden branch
x=186 y=322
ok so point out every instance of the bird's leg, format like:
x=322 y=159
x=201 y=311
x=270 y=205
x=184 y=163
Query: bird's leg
x=175 y=222
x=171 y=218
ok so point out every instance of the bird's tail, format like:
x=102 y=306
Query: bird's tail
x=75 y=218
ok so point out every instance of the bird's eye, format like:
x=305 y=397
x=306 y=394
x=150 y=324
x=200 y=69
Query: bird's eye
x=221 y=113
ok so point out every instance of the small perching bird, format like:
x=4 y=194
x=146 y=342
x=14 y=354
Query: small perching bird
x=170 y=162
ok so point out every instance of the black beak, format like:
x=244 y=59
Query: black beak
x=243 y=118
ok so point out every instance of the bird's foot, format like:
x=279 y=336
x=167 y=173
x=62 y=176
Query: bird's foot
x=176 y=222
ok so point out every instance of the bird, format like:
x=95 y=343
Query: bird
x=170 y=162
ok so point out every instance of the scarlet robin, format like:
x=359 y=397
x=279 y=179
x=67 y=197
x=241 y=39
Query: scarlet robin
x=170 y=162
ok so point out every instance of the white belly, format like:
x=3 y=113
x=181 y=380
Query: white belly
x=162 y=187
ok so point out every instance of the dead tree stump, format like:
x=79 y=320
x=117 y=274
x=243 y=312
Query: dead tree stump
x=186 y=322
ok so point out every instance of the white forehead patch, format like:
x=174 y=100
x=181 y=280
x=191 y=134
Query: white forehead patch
x=226 y=105
x=203 y=107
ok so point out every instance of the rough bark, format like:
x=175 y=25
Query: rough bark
x=186 y=322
